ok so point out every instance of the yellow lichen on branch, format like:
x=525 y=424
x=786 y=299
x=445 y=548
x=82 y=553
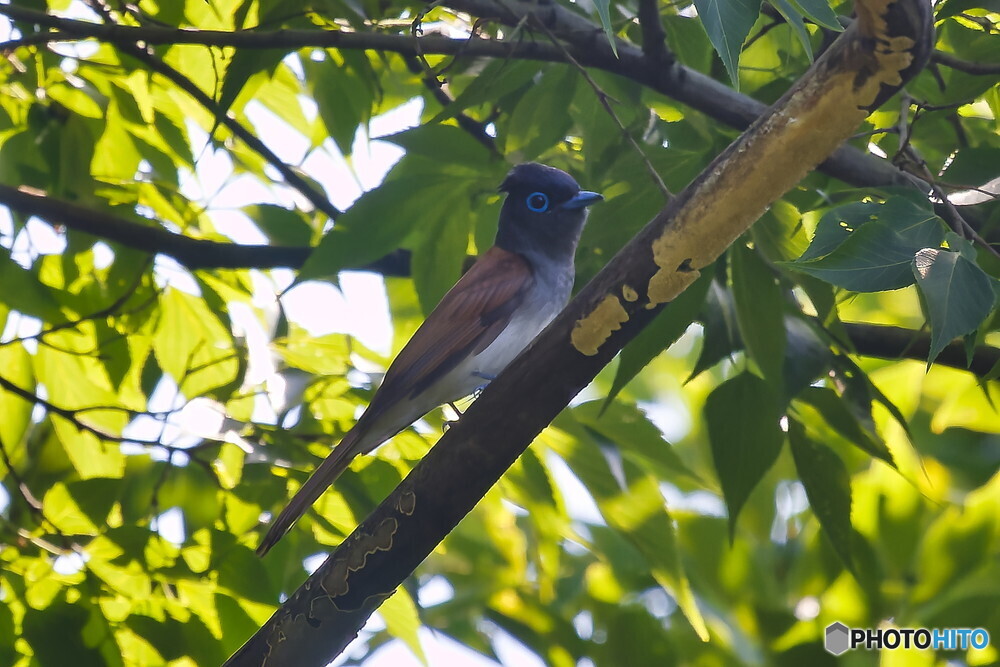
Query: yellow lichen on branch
x=799 y=131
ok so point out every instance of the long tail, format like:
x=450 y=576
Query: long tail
x=327 y=472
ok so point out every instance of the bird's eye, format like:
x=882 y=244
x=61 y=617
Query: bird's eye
x=537 y=202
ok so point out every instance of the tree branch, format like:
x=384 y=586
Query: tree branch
x=888 y=342
x=475 y=129
x=587 y=45
x=948 y=60
x=654 y=38
x=224 y=117
x=189 y=252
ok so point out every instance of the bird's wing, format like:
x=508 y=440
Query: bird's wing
x=468 y=318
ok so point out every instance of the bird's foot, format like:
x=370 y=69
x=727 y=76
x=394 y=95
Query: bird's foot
x=482 y=376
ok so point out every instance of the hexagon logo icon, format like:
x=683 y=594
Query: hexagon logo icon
x=836 y=641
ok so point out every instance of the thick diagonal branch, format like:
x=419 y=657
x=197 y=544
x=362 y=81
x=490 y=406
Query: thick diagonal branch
x=826 y=106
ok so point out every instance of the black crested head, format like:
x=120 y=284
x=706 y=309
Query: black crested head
x=544 y=213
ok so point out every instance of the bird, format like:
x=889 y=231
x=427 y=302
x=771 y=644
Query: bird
x=482 y=323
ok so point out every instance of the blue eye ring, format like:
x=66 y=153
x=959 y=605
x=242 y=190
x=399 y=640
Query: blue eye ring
x=537 y=202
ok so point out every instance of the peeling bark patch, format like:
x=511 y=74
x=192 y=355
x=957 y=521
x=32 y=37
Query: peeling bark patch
x=590 y=331
x=336 y=582
x=407 y=503
x=629 y=294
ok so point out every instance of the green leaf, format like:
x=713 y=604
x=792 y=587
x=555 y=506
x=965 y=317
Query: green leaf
x=661 y=333
x=878 y=256
x=58 y=636
x=437 y=259
x=779 y=234
x=604 y=12
x=24 y=292
x=192 y=346
x=793 y=16
x=629 y=429
x=722 y=335
x=344 y=100
x=742 y=418
x=427 y=140
x=401 y=621
x=539 y=120
x=958 y=294
x=959 y=541
x=16 y=411
x=840 y=418
x=247 y=71
x=282 y=226
x=820 y=12
x=759 y=312
x=498 y=78
x=870 y=247
x=636 y=512
x=116 y=156
x=8 y=635
x=807 y=356
x=828 y=488
x=728 y=22
x=376 y=224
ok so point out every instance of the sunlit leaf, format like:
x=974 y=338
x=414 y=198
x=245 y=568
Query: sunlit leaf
x=401 y=620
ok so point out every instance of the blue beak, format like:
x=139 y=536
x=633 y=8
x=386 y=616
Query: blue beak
x=582 y=199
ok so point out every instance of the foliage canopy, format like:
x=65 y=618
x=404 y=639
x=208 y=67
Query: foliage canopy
x=820 y=444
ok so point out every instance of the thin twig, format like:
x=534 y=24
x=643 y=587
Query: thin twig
x=948 y=60
x=954 y=218
x=70 y=414
x=472 y=126
x=34 y=505
x=222 y=116
x=606 y=103
x=104 y=312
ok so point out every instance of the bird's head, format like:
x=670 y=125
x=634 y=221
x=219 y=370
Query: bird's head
x=544 y=212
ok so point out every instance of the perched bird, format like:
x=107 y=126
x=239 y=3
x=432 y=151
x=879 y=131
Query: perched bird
x=491 y=314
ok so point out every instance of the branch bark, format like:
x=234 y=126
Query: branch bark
x=190 y=252
x=587 y=45
x=802 y=128
x=888 y=342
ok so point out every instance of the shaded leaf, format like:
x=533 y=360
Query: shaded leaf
x=376 y=224
x=742 y=419
x=728 y=23
x=828 y=488
x=722 y=335
x=840 y=418
x=870 y=247
x=759 y=312
x=958 y=294
x=282 y=226
x=603 y=11
x=821 y=13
